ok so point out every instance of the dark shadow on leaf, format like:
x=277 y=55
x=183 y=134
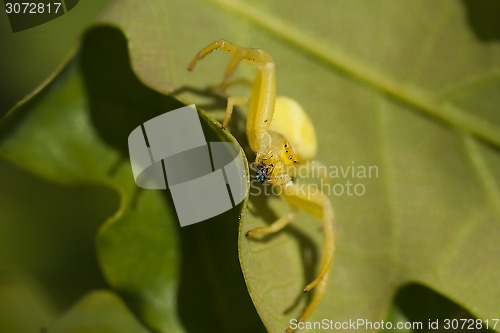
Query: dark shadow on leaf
x=421 y=304
x=212 y=288
x=236 y=124
x=307 y=247
x=54 y=242
x=483 y=17
x=218 y=101
x=118 y=101
x=212 y=293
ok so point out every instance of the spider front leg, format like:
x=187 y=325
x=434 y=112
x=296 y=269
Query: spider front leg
x=261 y=103
x=239 y=53
x=318 y=205
x=274 y=227
x=231 y=103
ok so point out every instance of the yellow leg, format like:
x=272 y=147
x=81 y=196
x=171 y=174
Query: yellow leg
x=318 y=295
x=329 y=242
x=231 y=103
x=310 y=169
x=318 y=205
x=262 y=100
x=275 y=226
x=239 y=53
x=319 y=170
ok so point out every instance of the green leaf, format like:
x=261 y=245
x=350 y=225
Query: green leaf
x=74 y=131
x=409 y=89
x=100 y=311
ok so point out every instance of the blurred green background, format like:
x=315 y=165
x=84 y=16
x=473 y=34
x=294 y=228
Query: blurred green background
x=32 y=254
x=29 y=57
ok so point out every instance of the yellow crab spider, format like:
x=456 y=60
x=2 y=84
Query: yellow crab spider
x=281 y=135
